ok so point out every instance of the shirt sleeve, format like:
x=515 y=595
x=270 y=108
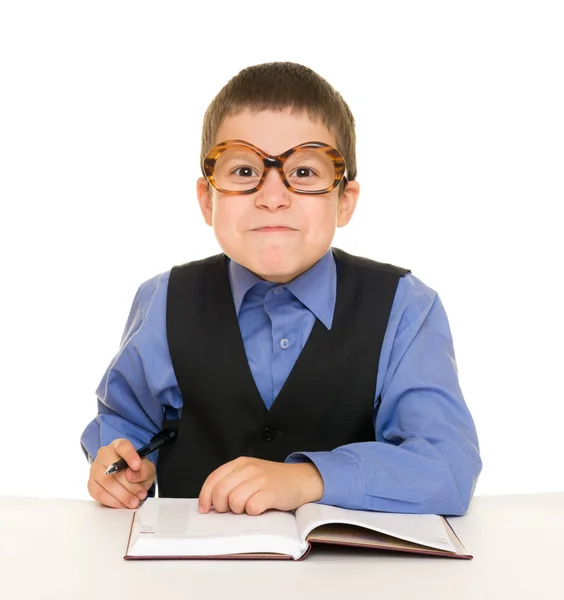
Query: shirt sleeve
x=426 y=456
x=139 y=383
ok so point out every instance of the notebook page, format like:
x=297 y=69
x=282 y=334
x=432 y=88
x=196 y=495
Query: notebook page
x=164 y=526
x=427 y=530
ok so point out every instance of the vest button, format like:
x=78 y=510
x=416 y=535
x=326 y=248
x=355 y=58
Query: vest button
x=268 y=435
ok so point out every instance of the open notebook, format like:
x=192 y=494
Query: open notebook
x=173 y=528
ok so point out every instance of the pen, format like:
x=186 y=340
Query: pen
x=160 y=439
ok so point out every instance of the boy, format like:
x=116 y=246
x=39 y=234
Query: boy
x=292 y=371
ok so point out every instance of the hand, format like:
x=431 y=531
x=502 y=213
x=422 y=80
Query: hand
x=126 y=488
x=253 y=485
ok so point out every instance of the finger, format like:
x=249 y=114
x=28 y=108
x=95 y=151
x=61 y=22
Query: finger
x=125 y=449
x=138 y=489
x=240 y=496
x=205 y=498
x=141 y=488
x=118 y=487
x=103 y=496
x=146 y=474
x=98 y=473
x=224 y=488
x=259 y=502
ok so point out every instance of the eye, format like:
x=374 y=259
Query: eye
x=244 y=172
x=303 y=172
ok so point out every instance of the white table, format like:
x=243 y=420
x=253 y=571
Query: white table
x=52 y=548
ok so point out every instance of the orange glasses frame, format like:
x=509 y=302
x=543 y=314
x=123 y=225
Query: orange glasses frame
x=273 y=162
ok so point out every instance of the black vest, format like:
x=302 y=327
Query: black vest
x=327 y=400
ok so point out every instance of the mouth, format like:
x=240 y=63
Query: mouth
x=273 y=229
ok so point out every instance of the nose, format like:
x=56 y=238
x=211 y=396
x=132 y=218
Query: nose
x=273 y=195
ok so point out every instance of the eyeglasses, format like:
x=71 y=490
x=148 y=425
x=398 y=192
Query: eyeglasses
x=238 y=167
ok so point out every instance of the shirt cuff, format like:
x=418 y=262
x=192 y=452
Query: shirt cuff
x=342 y=481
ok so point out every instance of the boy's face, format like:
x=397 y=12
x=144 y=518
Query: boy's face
x=275 y=233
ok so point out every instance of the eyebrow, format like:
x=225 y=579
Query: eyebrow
x=238 y=154
x=307 y=152
x=238 y=151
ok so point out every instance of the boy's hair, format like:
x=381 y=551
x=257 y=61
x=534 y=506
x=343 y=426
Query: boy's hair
x=278 y=86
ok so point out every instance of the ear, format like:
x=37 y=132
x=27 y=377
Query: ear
x=347 y=203
x=203 y=192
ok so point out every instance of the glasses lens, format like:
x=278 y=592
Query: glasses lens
x=238 y=169
x=309 y=170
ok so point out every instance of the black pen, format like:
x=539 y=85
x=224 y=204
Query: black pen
x=160 y=439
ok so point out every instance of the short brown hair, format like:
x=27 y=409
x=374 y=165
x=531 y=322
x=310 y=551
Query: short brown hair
x=279 y=86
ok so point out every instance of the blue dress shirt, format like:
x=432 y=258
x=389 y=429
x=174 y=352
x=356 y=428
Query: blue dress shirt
x=425 y=458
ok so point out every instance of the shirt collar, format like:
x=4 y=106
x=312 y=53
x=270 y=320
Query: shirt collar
x=242 y=280
x=316 y=288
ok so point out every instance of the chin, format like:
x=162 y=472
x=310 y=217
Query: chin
x=274 y=260
x=273 y=271
x=273 y=263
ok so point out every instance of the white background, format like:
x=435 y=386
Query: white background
x=459 y=109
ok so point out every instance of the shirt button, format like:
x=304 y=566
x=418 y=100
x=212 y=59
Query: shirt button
x=278 y=290
x=284 y=343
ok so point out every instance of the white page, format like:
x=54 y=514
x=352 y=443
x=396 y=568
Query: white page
x=427 y=530
x=173 y=526
x=181 y=516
